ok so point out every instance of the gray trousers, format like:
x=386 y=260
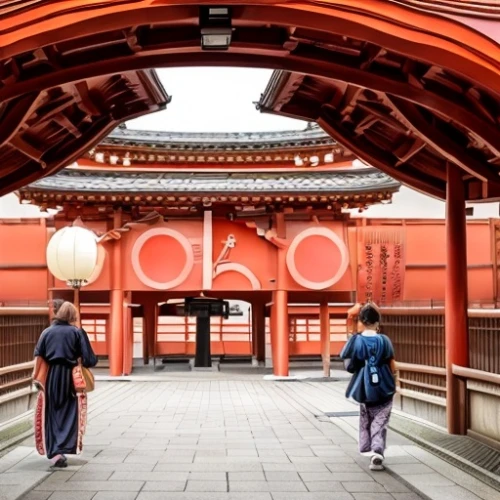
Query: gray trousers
x=373 y=422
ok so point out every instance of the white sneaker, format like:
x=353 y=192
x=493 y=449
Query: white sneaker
x=376 y=462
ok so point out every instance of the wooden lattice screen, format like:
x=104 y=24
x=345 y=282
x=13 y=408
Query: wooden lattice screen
x=484 y=344
x=18 y=337
x=417 y=339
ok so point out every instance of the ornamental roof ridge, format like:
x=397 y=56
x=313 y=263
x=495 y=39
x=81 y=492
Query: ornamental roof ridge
x=312 y=132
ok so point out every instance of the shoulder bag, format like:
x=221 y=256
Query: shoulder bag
x=83 y=378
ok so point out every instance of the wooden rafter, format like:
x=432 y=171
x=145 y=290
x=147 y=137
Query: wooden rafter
x=452 y=151
x=28 y=150
x=303 y=61
x=17 y=115
x=373 y=157
x=408 y=149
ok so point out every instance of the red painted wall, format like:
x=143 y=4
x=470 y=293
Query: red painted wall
x=23 y=277
x=23 y=272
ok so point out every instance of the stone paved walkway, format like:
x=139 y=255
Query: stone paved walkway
x=221 y=440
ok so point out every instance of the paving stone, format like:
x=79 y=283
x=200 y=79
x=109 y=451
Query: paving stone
x=351 y=476
x=148 y=476
x=210 y=467
x=93 y=486
x=193 y=485
x=448 y=492
x=373 y=496
x=362 y=487
x=316 y=476
x=402 y=469
x=117 y=467
x=115 y=495
x=315 y=495
x=344 y=467
x=406 y=496
x=427 y=480
x=76 y=495
x=282 y=476
x=205 y=496
x=209 y=476
x=37 y=495
x=91 y=476
x=390 y=483
x=21 y=478
x=300 y=452
x=164 y=486
x=15 y=456
x=266 y=486
x=324 y=486
x=243 y=452
x=246 y=476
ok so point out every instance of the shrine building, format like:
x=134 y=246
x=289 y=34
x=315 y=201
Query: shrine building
x=264 y=218
x=259 y=217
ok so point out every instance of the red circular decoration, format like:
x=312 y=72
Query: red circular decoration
x=162 y=258
x=317 y=258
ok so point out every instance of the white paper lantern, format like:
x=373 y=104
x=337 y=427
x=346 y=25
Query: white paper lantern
x=72 y=255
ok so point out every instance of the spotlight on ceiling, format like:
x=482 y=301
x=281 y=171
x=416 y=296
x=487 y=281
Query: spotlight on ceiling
x=215 y=25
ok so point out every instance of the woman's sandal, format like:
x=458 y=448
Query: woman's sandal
x=60 y=463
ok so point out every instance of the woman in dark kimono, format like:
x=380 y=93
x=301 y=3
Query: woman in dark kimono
x=61 y=412
x=370 y=357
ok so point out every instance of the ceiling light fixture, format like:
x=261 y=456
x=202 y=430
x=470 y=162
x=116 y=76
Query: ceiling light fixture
x=216 y=30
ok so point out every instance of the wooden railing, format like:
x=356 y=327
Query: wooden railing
x=19 y=333
x=177 y=336
x=20 y=328
x=14 y=379
x=305 y=335
x=417 y=335
x=418 y=338
x=484 y=340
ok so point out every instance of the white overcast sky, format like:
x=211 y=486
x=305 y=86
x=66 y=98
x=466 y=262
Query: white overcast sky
x=222 y=100
x=214 y=100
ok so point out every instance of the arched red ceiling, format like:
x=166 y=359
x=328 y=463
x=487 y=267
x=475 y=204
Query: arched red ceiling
x=458 y=37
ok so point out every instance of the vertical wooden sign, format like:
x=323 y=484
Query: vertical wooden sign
x=381 y=264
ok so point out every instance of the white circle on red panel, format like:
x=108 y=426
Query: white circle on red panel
x=162 y=258
x=317 y=258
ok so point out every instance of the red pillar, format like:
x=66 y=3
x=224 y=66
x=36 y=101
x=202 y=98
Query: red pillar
x=279 y=338
x=456 y=309
x=116 y=299
x=150 y=313
x=259 y=331
x=128 y=335
x=324 y=320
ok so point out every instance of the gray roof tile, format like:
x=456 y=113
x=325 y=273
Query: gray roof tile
x=339 y=181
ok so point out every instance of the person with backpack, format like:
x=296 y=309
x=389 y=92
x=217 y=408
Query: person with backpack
x=369 y=356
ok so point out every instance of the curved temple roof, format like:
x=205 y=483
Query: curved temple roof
x=322 y=189
x=312 y=135
x=364 y=180
x=409 y=86
x=46 y=130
